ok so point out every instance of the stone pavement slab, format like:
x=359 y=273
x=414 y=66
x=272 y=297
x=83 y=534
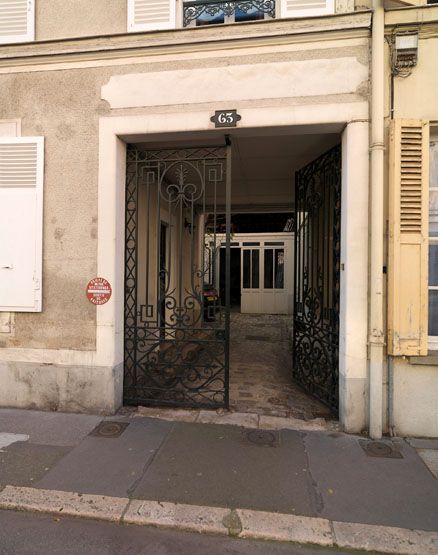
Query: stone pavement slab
x=48 y=428
x=430 y=459
x=109 y=466
x=291 y=423
x=23 y=464
x=423 y=443
x=8 y=439
x=216 y=466
x=357 y=488
x=245 y=420
x=314 y=473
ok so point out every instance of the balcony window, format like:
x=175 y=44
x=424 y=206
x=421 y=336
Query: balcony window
x=154 y=15
x=198 y=13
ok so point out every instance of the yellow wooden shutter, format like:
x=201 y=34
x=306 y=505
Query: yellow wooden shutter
x=408 y=237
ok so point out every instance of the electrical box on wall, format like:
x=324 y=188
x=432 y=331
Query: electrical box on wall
x=406 y=50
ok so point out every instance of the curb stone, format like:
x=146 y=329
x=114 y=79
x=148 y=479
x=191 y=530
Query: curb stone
x=98 y=507
x=385 y=539
x=241 y=523
x=282 y=527
x=192 y=518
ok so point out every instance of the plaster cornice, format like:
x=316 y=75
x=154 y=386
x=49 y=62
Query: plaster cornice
x=180 y=41
x=424 y=19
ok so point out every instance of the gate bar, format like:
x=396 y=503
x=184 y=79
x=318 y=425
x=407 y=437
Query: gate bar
x=227 y=271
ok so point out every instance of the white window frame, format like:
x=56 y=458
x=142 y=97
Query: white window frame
x=30 y=35
x=433 y=339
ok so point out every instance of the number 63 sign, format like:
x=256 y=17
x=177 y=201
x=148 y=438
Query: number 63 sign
x=225 y=118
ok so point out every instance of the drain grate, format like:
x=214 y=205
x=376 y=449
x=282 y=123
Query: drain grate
x=109 y=429
x=265 y=438
x=380 y=449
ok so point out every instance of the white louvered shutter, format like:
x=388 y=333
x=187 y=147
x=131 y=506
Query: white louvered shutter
x=17 y=21
x=21 y=213
x=151 y=15
x=408 y=237
x=306 y=8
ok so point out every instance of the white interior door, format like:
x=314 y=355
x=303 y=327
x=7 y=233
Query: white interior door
x=274 y=292
x=250 y=280
x=267 y=278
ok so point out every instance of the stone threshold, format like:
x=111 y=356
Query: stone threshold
x=244 y=419
x=239 y=523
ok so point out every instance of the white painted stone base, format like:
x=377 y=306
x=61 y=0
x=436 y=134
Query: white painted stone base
x=415 y=399
x=83 y=389
x=352 y=404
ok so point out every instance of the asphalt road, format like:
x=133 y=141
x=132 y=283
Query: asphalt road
x=27 y=533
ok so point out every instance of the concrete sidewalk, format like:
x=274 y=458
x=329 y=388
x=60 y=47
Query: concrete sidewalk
x=236 y=473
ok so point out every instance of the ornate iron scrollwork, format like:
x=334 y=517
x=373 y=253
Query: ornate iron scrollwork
x=174 y=354
x=196 y=8
x=317 y=276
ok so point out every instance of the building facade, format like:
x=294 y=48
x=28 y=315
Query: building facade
x=99 y=97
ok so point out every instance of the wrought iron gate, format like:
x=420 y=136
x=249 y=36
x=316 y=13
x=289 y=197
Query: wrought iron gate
x=317 y=276
x=176 y=332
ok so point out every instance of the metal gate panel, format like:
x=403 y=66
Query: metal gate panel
x=317 y=276
x=176 y=332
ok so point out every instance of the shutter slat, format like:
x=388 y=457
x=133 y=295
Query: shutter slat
x=149 y=15
x=18 y=165
x=411 y=182
x=17 y=21
x=408 y=237
x=305 y=8
x=21 y=211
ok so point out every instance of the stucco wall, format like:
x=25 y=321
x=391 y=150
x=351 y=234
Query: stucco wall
x=415 y=392
x=64 y=106
x=416 y=96
x=81 y=18
x=63 y=98
x=415 y=399
x=56 y=19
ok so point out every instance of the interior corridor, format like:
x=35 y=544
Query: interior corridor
x=261 y=369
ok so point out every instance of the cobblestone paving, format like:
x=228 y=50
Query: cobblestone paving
x=261 y=369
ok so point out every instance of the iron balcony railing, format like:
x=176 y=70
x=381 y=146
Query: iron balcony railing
x=195 y=9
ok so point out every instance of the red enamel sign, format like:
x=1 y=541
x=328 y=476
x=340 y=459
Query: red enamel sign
x=98 y=291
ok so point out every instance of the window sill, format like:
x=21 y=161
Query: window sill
x=431 y=359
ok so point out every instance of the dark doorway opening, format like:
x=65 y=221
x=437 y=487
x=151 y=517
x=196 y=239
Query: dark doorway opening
x=235 y=286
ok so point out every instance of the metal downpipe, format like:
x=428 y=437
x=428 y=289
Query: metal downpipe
x=376 y=333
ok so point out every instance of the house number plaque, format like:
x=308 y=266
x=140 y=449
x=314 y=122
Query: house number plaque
x=225 y=118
